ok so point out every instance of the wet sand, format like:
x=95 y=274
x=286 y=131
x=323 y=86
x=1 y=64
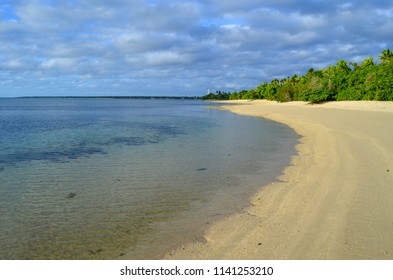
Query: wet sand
x=334 y=202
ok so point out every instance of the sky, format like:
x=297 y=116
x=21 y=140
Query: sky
x=179 y=48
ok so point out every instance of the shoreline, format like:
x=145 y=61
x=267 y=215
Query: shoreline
x=332 y=202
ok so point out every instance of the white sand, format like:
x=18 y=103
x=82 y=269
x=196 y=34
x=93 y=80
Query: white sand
x=334 y=202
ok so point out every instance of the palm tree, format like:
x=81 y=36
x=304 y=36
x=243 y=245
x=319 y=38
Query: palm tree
x=386 y=56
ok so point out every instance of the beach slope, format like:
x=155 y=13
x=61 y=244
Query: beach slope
x=334 y=202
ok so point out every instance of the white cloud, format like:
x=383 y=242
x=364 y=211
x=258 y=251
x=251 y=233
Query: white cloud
x=166 y=58
x=58 y=64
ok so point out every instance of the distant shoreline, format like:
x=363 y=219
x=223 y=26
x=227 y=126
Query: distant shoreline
x=109 y=97
x=333 y=202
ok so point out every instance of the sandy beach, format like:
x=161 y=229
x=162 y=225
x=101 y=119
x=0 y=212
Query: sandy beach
x=334 y=202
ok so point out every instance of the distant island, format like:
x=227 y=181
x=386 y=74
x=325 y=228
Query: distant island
x=343 y=81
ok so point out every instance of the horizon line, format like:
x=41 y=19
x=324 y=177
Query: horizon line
x=108 y=97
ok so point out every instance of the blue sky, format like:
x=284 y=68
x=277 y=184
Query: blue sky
x=147 y=47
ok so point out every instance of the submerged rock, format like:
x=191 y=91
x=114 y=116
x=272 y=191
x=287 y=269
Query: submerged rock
x=71 y=195
x=201 y=169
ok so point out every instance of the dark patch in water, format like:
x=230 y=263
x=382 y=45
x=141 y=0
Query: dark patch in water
x=129 y=141
x=159 y=133
x=201 y=169
x=71 y=195
x=1 y=168
x=165 y=129
x=52 y=156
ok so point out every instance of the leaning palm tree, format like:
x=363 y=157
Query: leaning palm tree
x=386 y=56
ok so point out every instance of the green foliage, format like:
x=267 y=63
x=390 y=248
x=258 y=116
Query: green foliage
x=386 y=56
x=219 y=95
x=234 y=96
x=250 y=94
x=343 y=81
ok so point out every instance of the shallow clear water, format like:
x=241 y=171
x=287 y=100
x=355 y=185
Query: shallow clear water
x=125 y=178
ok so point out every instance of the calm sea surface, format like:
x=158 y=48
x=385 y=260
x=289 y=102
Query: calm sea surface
x=125 y=178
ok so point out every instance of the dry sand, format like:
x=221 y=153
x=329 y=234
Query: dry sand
x=334 y=202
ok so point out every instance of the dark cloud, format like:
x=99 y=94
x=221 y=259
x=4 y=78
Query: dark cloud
x=93 y=47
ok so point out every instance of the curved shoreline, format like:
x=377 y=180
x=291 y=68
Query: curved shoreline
x=333 y=202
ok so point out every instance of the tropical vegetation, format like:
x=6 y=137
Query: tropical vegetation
x=343 y=81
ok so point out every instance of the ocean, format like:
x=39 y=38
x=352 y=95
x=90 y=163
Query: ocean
x=102 y=178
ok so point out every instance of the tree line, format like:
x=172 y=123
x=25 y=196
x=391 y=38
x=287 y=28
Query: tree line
x=343 y=81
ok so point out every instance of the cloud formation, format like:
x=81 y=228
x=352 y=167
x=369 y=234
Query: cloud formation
x=147 y=47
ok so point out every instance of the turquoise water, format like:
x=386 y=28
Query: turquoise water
x=125 y=178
